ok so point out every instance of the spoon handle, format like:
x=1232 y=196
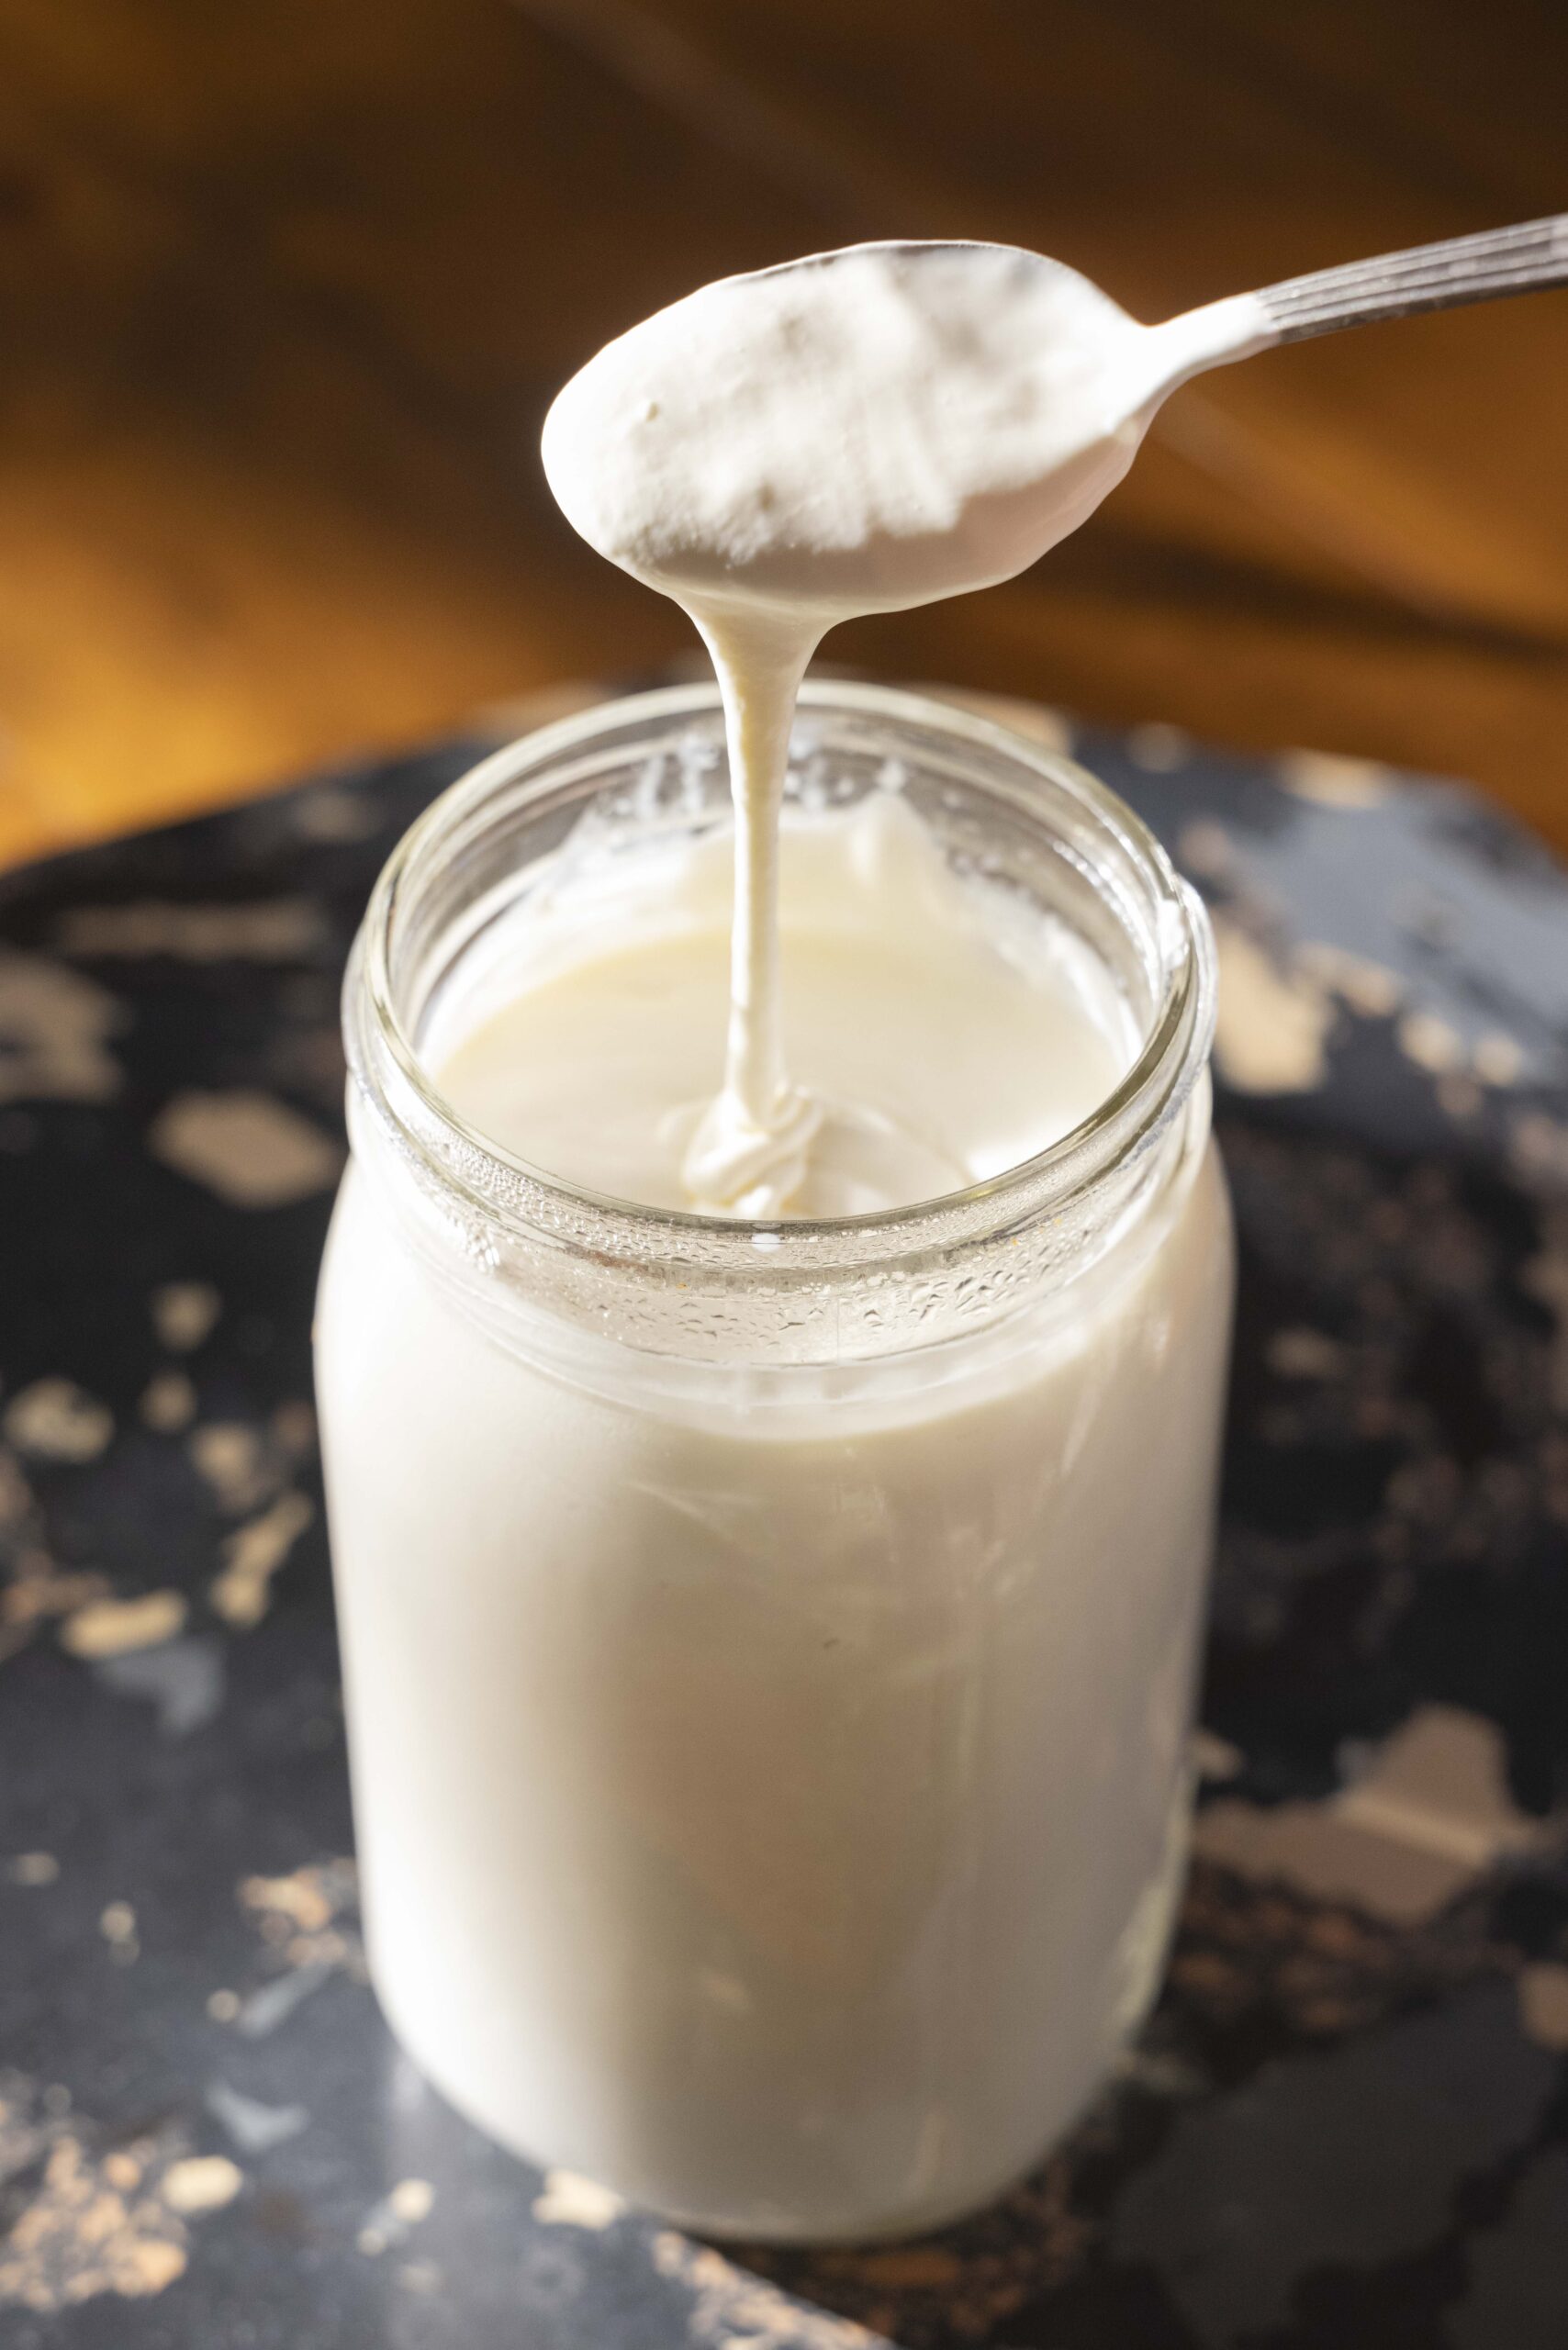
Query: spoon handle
x=1428 y=277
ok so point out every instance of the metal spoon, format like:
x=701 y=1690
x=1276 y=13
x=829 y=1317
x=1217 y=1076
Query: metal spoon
x=1133 y=368
x=1428 y=277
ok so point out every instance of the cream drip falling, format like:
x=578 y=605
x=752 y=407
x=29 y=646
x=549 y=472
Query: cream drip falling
x=781 y=452
x=880 y=427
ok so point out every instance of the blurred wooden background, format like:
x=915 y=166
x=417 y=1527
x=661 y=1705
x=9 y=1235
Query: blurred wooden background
x=284 y=290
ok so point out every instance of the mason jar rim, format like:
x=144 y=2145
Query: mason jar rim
x=499 y=1183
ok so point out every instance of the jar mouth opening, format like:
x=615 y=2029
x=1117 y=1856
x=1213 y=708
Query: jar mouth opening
x=386 y=1061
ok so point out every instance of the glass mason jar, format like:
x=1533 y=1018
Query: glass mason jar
x=769 y=1649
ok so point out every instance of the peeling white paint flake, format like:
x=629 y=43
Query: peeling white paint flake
x=1272 y=1029
x=1158 y=748
x=1429 y=1816
x=307 y=1920
x=568 y=2201
x=1206 y=849
x=115 y=1626
x=1440 y=1785
x=87 y=2231
x=1369 y=989
x=242 y=1592
x=1298 y=1352
x=1431 y=1044
x=33 y=1868
x=1215 y=1758
x=733 y=2310
x=96 y=2221
x=1334 y=782
x=39 y=1592
x=231 y=1459
x=56 y=1420
x=168 y=1402
x=118 y=1923
x=106 y=1627
x=409 y=2202
x=118 y=1927
x=325 y=815
x=303 y=1899
x=1497 y=1058
x=202 y=2183
x=183 y=1314
x=250 y=1148
x=267 y=930
x=54 y=1031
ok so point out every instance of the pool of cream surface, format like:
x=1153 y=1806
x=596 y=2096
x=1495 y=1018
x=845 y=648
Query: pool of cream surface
x=948 y=1030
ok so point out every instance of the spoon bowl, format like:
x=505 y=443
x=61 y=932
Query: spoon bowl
x=874 y=428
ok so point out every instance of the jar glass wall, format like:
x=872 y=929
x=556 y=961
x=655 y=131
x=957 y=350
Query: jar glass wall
x=769 y=1649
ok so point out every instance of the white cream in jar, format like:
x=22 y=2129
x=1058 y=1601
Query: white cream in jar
x=768 y=1650
x=770 y=1632
x=591 y=1048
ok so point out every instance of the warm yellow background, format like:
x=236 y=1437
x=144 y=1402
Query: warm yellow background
x=284 y=290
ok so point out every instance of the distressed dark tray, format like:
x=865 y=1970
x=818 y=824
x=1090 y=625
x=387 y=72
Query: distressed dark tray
x=1346 y=2127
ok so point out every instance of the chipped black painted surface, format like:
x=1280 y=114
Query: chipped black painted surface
x=1347 y=2124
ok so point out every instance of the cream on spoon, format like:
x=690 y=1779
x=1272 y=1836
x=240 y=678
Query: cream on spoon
x=870 y=429
x=877 y=429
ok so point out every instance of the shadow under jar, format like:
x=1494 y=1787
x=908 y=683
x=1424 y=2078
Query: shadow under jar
x=770 y=1650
